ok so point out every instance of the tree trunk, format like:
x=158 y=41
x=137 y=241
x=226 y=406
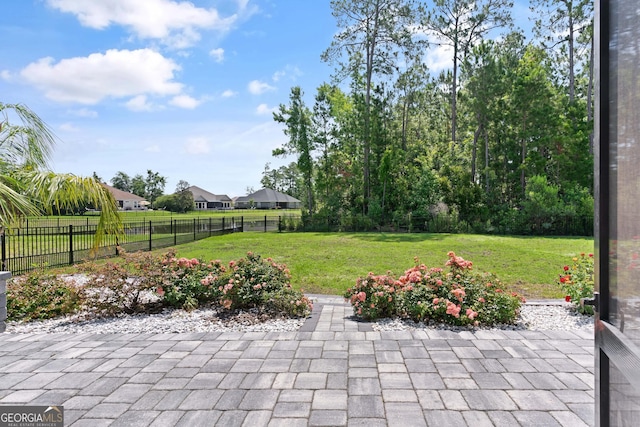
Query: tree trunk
x=524 y=155
x=486 y=161
x=454 y=90
x=405 y=119
x=371 y=48
x=474 y=151
x=571 y=53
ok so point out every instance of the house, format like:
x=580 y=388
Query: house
x=209 y=201
x=127 y=201
x=267 y=199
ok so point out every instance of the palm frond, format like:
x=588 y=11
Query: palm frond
x=30 y=143
x=57 y=192
x=13 y=205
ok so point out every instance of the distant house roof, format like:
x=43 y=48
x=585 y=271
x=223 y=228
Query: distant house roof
x=123 y=195
x=200 y=195
x=267 y=195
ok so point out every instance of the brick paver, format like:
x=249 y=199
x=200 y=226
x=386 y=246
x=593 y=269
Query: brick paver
x=333 y=372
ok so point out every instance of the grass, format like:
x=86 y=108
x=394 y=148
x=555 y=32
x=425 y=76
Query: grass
x=92 y=217
x=329 y=263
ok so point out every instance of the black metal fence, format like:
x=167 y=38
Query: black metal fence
x=25 y=249
x=558 y=226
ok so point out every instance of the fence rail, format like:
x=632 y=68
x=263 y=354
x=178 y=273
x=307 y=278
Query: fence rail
x=25 y=249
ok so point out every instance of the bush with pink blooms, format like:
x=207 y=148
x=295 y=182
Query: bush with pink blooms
x=254 y=282
x=188 y=283
x=250 y=282
x=374 y=296
x=454 y=295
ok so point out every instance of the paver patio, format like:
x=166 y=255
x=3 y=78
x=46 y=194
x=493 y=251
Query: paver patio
x=333 y=372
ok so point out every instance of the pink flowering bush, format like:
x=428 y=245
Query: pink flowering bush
x=454 y=295
x=119 y=286
x=188 y=283
x=254 y=282
x=373 y=296
x=577 y=281
x=191 y=283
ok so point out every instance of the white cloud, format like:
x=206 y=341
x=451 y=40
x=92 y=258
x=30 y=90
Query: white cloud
x=439 y=58
x=68 y=127
x=5 y=75
x=153 y=149
x=289 y=71
x=185 y=101
x=229 y=93
x=116 y=74
x=198 y=145
x=139 y=103
x=256 y=87
x=85 y=112
x=217 y=54
x=174 y=23
x=264 y=109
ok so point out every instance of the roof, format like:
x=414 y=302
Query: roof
x=267 y=195
x=122 y=195
x=200 y=195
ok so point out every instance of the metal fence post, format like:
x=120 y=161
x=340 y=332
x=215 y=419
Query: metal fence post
x=150 y=236
x=265 y=223
x=4 y=250
x=175 y=232
x=70 y=244
x=194 y=229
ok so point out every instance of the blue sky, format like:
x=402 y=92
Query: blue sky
x=183 y=88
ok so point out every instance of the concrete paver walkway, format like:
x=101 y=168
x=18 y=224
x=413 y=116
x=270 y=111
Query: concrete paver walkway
x=333 y=372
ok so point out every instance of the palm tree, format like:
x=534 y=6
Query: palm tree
x=27 y=185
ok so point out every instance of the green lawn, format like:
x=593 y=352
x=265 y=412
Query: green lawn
x=92 y=217
x=329 y=263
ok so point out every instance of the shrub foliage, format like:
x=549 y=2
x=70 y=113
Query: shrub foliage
x=577 y=281
x=40 y=295
x=143 y=281
x=454 y=295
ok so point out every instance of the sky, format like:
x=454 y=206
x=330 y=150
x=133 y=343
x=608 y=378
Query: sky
x=184 y=88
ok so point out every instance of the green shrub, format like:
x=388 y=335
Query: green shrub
x=576 y=281
x=39 y=295
x=142 y=279
x=120 y=287
x=189 y=283
x=254 y=282
x=246 y=283
x=455 y=296
x=374 y=296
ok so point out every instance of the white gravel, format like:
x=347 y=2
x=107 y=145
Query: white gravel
x=537 y=316
x=169 y=321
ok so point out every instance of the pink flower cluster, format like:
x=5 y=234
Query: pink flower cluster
x=453 y=309
x=458 y=262
x=209 y=280
x=181 y=262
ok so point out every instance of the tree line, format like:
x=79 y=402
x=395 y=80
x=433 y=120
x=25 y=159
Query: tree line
x=503 y=136
x=151 y=187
